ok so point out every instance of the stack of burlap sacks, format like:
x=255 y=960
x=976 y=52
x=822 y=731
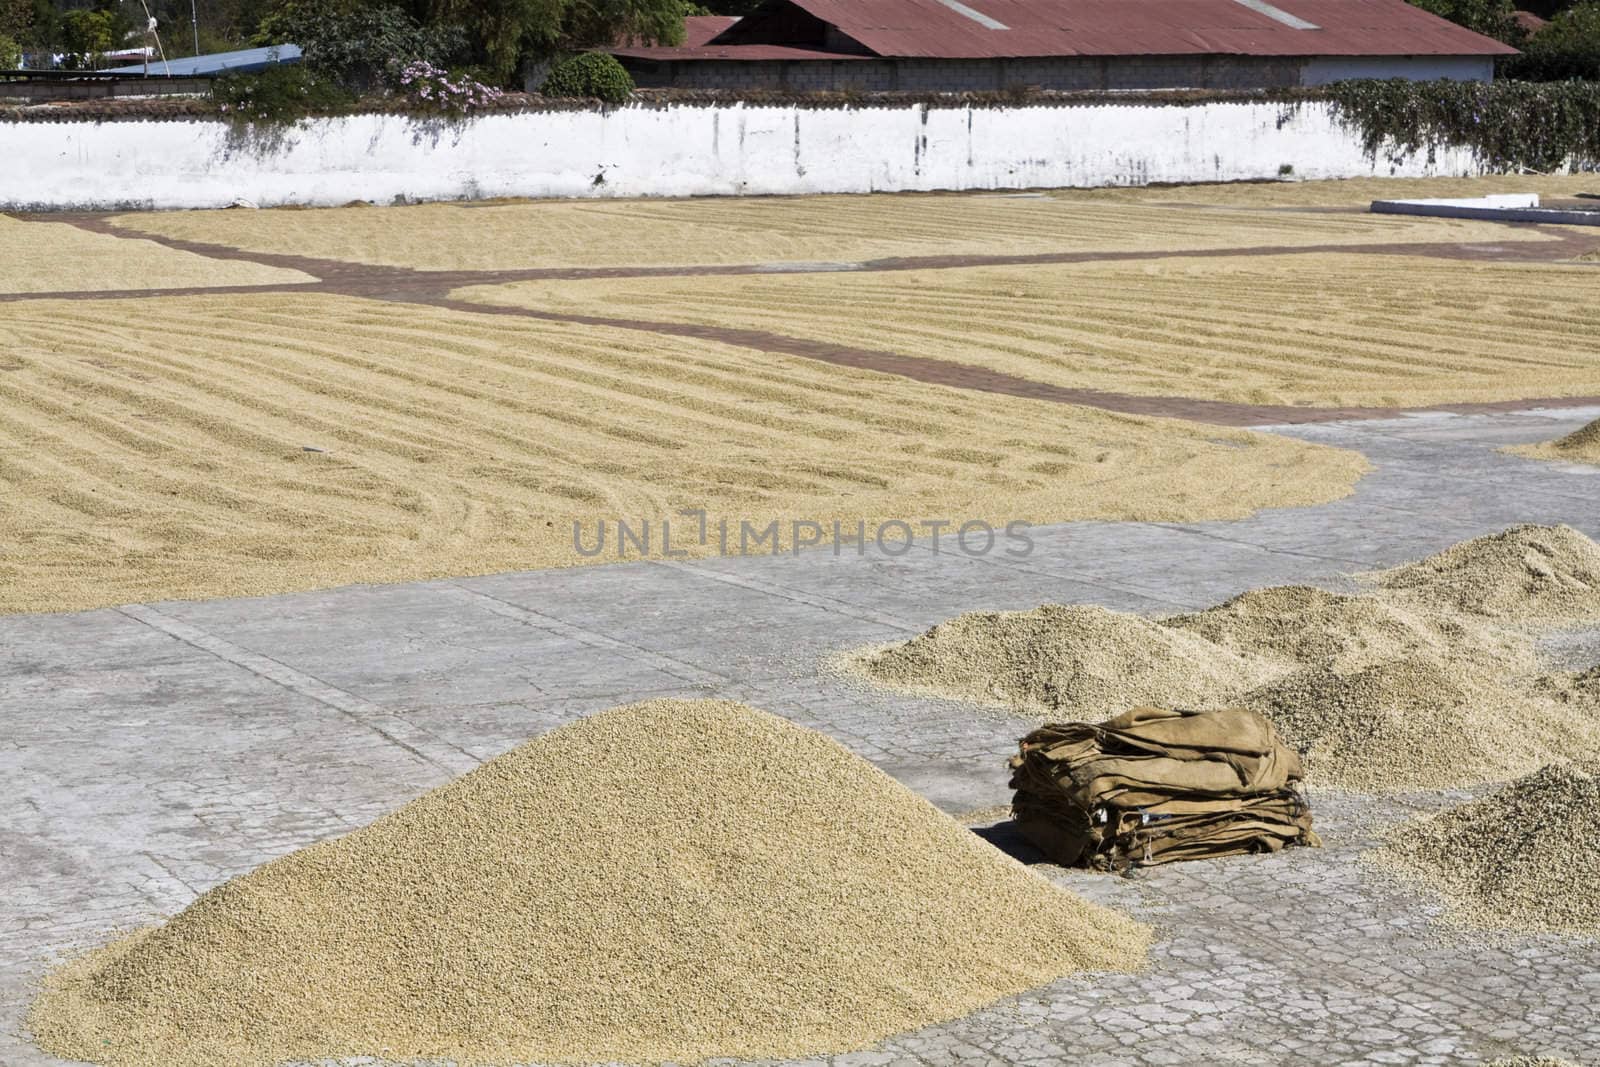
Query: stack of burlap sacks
x=1153 y=786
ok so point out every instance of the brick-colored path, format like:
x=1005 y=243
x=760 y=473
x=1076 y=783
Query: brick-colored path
x=432 y=287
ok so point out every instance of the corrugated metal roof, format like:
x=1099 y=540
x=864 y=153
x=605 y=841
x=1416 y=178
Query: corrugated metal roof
x=732 y=52
x=1529 y=21
x=698 y=29
x=966 y=29
x=241 y=62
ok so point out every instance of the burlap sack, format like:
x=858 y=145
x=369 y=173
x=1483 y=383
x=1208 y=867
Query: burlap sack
x=1155 y=785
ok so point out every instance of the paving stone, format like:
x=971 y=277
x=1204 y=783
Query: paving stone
x=152 y=752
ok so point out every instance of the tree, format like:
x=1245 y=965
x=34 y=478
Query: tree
x=503 y=30
x=44 y=26
x=16 y=18
x=1546 y=9
x=1569 y=47
x=506 y=31
x=1492 y=18
x=590 y=23
x=731 y=7
x=357 y=45
x=353 y=39
x=87 y=34
x=224 y=24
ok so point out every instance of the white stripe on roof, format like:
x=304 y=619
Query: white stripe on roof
x=1276 y=14
x=978 y=16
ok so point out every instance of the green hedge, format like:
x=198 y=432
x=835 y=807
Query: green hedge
x=1511 y=125
x=589 y=75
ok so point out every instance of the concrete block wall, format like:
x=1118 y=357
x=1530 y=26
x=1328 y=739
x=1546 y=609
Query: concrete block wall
x=1324 y=69
x=22 y=92
x=1202 y=72
x=1066 y=73
x=681 y=150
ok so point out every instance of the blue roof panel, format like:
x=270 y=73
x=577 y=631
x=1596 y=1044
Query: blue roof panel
x=241 y=62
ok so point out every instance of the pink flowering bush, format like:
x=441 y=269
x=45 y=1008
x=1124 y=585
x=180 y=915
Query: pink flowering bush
x=426 y=87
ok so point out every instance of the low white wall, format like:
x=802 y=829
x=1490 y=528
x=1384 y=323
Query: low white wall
x=679 y=150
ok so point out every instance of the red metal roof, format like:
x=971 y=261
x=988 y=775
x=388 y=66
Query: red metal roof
x=698 y=29
x=733 y=52
x=1529 y=21
x=976 y=29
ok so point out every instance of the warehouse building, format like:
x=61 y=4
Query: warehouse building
x=978 y=45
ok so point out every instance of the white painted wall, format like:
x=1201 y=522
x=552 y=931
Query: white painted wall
x=679 y=150
x=1321 y=70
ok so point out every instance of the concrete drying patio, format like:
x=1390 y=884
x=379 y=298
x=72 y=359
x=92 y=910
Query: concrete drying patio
x=155 y=750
